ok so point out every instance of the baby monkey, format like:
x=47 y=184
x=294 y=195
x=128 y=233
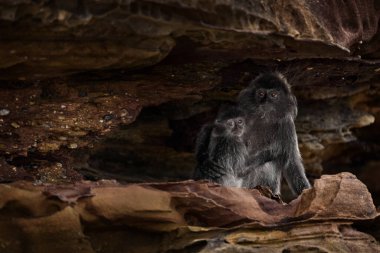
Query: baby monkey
x=221 y=152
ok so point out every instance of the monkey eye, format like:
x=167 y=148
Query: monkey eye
x=274 y=94
x=240 y=121
x=261 y=93
x=230 y=123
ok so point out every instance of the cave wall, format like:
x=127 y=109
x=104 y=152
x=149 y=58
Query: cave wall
x=49 y=38
x=101 y=102
x=108 y=89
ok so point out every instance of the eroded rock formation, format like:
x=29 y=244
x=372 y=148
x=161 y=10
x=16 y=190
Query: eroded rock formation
x=184 y=216
x=66 y=37
x=212 y=50
x=118 y=90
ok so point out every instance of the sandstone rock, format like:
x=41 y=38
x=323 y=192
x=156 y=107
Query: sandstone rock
x=149 y=74
x=83 y=35
x=182 y=215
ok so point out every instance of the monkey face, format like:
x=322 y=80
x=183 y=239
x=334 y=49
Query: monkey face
x=273 y=103
x=234 y=126
x=230 y=121
x=269 y=96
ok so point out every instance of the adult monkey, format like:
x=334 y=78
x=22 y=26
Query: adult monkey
x=271 y=109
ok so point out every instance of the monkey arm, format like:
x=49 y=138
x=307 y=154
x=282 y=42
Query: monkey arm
x=295 y=176
x=257 y=160
x=260 y=158
x=293 y=169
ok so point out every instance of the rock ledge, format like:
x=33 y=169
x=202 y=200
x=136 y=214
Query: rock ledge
x=106 y=216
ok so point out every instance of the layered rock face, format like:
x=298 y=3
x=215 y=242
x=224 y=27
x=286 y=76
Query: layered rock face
x=70 y=36
x=184 y=217
x=119 y=89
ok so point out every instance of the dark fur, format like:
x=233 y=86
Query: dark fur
x=270 y=109
x=221 y=152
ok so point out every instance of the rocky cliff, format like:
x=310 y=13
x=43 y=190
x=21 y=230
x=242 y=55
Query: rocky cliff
x=93 y=90
x=184 y=217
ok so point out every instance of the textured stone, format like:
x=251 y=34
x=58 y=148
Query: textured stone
x=148 y=75
x=73 y=36
x=201 y=49
x=184 y=215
